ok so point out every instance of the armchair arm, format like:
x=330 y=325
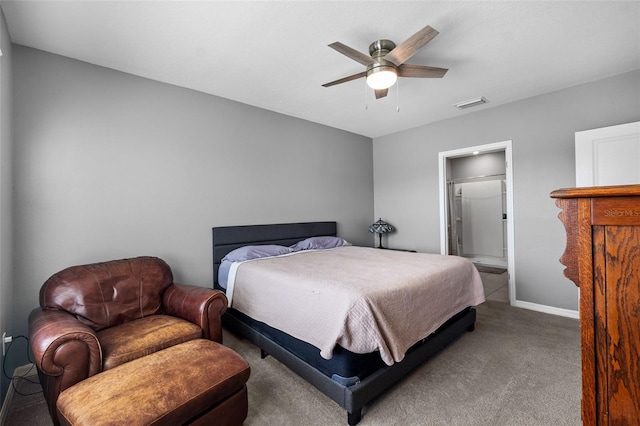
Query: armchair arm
x=200 y=305
x=65 y=351
x=59 y=342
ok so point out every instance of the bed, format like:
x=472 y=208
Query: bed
x=350 y=377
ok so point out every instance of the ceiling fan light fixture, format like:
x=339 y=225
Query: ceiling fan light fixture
x=381 y=77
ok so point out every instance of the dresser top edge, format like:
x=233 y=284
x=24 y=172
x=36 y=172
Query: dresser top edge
x=597 y=191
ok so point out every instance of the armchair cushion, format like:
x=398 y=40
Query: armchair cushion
x=105 y=294
x=152 y=333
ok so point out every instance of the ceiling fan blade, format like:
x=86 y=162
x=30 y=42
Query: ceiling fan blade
x=381 y=93
x=410 y=46
x=345 y=79
x=352 y=53
x=421 y=71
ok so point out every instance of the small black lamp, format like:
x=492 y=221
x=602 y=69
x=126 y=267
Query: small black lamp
x=380 y=227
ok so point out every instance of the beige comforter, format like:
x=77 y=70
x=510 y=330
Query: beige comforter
x=363 y=299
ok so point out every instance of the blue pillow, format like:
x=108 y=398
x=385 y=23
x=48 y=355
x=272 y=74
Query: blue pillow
x=319 y=243
x=255 y=252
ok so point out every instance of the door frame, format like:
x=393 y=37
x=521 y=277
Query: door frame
x=444 y=201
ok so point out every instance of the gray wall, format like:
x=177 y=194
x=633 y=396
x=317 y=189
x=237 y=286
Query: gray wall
x=109 y=165
x=6 y=192
x=542 y=130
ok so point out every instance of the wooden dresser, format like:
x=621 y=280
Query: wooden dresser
x=602 y=257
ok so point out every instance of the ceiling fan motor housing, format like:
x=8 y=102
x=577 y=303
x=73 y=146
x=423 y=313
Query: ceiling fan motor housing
x=378 y=50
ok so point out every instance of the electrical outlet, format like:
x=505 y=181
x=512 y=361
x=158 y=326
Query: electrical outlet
x=5 y=339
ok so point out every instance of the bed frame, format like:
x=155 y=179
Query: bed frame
x=351 y=397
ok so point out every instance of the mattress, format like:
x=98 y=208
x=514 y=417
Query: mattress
x=361 y=299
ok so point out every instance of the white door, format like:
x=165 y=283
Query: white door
x=608 y=156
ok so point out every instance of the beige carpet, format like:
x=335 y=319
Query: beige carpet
x=518 y=367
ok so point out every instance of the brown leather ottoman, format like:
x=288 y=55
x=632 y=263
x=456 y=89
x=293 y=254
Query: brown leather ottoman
x=197 y=382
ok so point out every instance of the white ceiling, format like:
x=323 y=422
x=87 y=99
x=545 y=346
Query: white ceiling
x=274 y=55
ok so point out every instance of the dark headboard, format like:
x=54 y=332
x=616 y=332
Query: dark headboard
x=228 y=238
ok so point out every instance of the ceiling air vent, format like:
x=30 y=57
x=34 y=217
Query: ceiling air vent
x=471 y=103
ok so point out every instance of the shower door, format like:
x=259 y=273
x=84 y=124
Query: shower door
x=477 y=218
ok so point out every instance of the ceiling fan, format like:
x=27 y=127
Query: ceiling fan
x=385 y=62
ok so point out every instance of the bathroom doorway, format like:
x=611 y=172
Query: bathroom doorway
x=476 y=207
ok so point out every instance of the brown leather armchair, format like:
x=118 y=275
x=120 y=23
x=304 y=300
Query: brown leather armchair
x=98 y=316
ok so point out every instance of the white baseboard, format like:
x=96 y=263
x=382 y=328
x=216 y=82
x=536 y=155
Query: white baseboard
x=26 y=370
x=547 y=309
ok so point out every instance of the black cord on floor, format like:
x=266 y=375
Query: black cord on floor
x=15 y=379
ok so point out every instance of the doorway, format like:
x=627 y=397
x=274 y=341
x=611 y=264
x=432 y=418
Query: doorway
x=476 y=207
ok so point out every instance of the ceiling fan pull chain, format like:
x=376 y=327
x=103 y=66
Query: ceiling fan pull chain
x=398 y=96
x=366 y=107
